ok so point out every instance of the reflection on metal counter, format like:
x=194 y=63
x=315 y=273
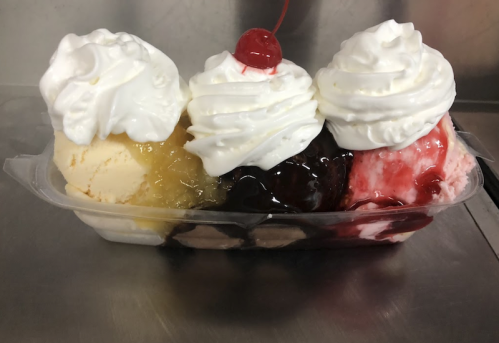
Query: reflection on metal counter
x=465 y=31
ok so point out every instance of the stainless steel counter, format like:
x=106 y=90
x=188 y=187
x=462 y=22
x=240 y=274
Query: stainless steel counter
x=466 y=32
x=60 y=282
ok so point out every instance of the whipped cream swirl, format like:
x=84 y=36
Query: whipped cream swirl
x=105 y=83
x=384 y=88
x=243 y=116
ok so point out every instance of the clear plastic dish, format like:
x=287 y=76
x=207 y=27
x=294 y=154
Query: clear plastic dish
x=224 y=230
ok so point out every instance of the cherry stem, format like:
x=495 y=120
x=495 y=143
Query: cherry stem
x=281 y=18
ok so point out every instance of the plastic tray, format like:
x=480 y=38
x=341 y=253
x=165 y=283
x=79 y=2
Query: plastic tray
x=224 y=230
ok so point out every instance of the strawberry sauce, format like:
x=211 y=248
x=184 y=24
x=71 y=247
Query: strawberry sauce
x=409 y=176
x=387 y=179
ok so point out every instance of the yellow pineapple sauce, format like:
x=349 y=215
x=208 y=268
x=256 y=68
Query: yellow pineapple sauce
x=176 y=178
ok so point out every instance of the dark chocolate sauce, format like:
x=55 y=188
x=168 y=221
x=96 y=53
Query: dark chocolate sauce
x=314 y=180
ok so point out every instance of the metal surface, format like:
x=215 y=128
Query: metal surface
x=60 y=282
x=487 y=125
x=486 y=215
x=189 y=31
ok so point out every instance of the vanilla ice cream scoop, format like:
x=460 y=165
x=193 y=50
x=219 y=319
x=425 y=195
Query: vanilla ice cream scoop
x=384 y=88
x=104 y=171
x=105 y=83
x=115 y=102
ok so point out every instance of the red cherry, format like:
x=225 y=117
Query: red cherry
x=258 y=48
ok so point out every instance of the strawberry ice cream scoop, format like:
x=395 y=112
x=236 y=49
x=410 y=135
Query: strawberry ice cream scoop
x=386 y=96
x=431 y=170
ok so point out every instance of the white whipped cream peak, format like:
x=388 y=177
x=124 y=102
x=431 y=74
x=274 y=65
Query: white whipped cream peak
x=384 y=88
x=105 y=83
x=244 y=116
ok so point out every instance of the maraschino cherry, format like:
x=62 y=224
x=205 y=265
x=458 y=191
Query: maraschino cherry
x=258 y=48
